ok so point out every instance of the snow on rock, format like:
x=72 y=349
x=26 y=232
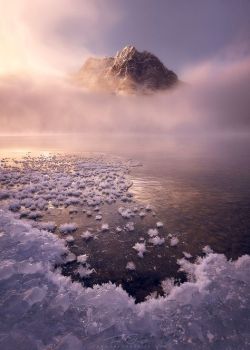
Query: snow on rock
x=140 y=248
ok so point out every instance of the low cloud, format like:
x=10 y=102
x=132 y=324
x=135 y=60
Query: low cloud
x=215 y=99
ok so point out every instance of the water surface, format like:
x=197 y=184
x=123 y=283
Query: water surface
x=198 y=188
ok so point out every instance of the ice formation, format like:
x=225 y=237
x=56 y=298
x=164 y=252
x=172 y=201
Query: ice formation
x=174 y=241
x=130 y=226
x=69 y=239
x=44 y=309
x=82 y=258
x=49 y=226
x=167 y=285
x=159 y=224
x=149 y=207
x=130 y=266
x=105 y=227
x=207 y=249
x=187 y=255
x=73 y=210
x=68 y=228
x=87 y=235
x=15 y=206
x=70 y=257
x=140 y=248
x=35 y=215
x=142 y=214
x=156 y=240
x=152 y=232
x=84 y=271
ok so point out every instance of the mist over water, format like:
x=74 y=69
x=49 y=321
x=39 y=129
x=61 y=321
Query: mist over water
x=214 y=101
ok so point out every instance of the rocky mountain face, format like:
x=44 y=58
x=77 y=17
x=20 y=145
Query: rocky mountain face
x=130 y=71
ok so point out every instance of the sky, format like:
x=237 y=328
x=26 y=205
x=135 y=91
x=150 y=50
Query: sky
x=180 y=32
x=59 y=35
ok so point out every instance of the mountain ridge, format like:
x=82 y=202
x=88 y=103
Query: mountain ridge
x=129 y=71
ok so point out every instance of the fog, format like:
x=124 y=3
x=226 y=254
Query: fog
x=215 y=99
x=43 y=43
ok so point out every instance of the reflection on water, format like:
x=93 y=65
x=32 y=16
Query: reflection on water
x=198 y=188
x=208 y=204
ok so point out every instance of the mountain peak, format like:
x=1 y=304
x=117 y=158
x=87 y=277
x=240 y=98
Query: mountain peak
x=127 y=51
x=129 y=71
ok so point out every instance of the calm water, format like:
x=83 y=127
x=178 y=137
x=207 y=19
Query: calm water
x=199 y=189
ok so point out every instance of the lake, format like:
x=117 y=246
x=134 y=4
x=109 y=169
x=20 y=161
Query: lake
x=197 y=187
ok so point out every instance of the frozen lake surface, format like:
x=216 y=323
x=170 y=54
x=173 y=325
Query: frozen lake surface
x=163 y=224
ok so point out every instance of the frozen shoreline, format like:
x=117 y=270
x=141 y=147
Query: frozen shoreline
x=86 y=200
x=42 y=309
